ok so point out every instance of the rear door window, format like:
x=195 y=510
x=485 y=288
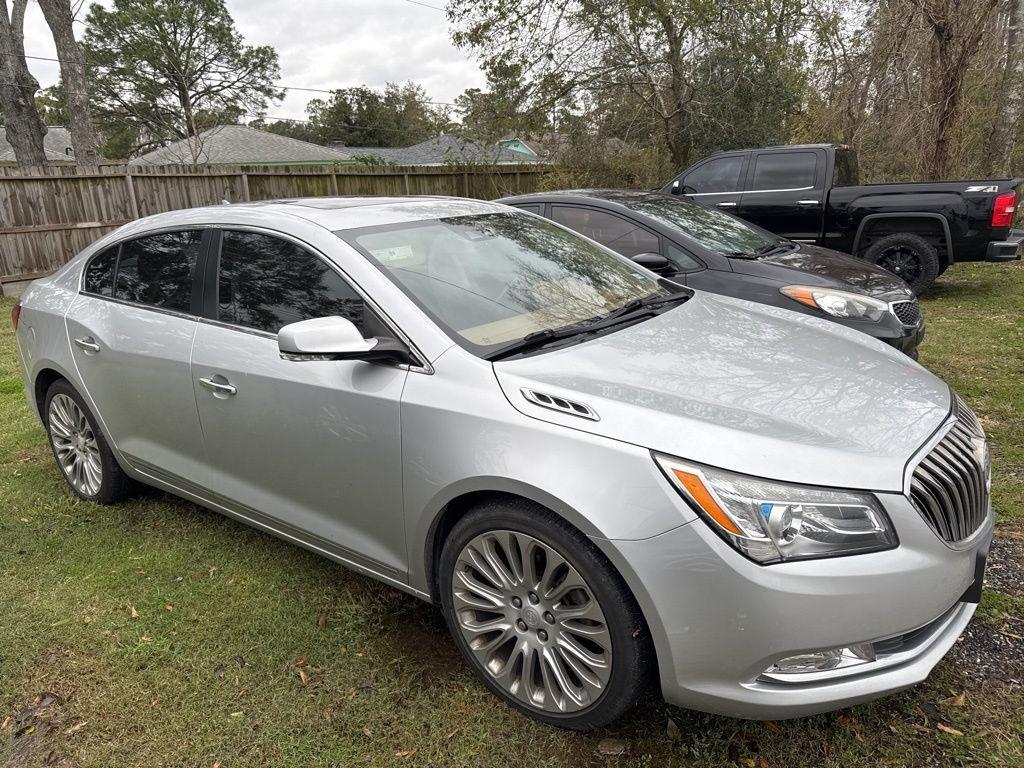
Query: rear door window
x=265 y=283
x=157 y=270
x=785 y=171
x=615 y=232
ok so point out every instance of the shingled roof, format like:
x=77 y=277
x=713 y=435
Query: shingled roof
x=240 y=145
x=444 y=149
x=56 y=144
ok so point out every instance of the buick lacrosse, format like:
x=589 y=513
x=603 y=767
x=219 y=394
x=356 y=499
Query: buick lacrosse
x=603 y=478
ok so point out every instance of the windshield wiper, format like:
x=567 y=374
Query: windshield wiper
x=631 y=310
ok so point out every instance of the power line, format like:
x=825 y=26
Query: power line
x=425 y=5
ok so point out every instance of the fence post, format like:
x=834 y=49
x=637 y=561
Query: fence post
x=405 y=178
x=131 y=195
x=245 y=186
x=334 y=184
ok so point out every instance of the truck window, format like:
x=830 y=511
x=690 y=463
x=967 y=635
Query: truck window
x=720 y=175
x=846 y=174
x=785 y=170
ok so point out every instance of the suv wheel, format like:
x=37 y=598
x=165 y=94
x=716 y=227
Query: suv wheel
x=910 y=257
x=80 y=448
x=542 y=617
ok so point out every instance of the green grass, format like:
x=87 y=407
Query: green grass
x=209 y=671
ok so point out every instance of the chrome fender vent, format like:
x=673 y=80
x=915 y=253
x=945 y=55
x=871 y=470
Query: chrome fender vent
x=556 y=403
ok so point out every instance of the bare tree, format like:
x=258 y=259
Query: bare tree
x=18 y=88
x=957 y=29
x=59 y=18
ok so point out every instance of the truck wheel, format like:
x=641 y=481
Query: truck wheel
x=908 y=256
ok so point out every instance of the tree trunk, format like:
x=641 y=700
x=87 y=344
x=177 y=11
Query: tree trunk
x=18 y=88
x=1008 y=104
x=72 y=71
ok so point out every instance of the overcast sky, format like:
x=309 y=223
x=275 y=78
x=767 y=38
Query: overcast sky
x=327 y=44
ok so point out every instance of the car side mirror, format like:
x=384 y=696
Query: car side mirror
x=676 y=188
x=335 y=338
x=655 y=262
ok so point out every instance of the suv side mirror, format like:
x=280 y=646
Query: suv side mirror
x=655 y=262
x=335 y=338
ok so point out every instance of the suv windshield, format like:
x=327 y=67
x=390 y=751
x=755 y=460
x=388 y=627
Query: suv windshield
x=498 y=277
x=712 y=229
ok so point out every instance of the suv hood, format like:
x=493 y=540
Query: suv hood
x=825 y=267
x=745 y=387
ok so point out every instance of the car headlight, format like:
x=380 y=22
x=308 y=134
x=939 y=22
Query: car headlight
x=772 y=522
x=852 y=306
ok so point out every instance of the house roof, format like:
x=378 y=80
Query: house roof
x=443 y=149
x=240 y=145
x=56 y=144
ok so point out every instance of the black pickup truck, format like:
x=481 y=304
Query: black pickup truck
x=810 y=193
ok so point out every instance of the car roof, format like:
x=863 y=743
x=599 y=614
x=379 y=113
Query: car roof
x=616 y=196
x=333 y=213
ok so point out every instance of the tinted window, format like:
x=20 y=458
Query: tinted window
x=721 y=175
x=267 y=283
x=157 y=270
x=99 y=275
x=681 y=258
x=530 y=208
x=715 y=230
x=785 y=170
x=615 y=232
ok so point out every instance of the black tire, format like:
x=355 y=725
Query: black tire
x=907 y=256
x=114 y=485
x=632 y=655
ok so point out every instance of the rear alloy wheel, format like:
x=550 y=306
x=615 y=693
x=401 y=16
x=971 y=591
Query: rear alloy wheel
x=552 y=635
x=80 y=449
x=907 y=256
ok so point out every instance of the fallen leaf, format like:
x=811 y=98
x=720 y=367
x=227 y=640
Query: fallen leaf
x=87 y=619
x=611 y=747
x=672 y=730
x=303 y=677
x=772 y=726
x=216 y=765
x=407 y=752
x=168 y=608
x=365 y=685
x=367 y=732
x=360 y=655
x=24 y=519
x=6 y=722
x=321 y=620
x=748 y=762
x=453 y=733
x=956 y=701
x=761 y=762
x=135 y=614
x=921 y=728
x=237 y=714
x=76 y=728
x=948 y=729
x=218 y=672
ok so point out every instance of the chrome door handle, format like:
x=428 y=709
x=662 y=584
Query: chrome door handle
x=726 y=204
x=808 y=202
x=88 y=344
x=218 y=388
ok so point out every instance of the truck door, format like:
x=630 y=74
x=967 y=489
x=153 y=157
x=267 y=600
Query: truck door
x=716 y=182
x=785 y=192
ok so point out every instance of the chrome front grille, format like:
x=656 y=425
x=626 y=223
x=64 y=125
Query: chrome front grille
x=909 y=312
x=950 y=487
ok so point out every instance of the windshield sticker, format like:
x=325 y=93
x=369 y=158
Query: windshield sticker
x=391 y=255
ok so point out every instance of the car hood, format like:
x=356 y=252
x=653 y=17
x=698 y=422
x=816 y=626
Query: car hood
x=823 y=266
x=745 y=387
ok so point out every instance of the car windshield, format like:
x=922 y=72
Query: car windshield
x=495 y=278
x=709 y=228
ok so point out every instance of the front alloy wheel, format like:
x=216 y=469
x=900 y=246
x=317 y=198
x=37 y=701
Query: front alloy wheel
x=532 y=621
x=541 y=615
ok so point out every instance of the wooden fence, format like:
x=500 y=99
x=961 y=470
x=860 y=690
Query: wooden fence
x=47 y=215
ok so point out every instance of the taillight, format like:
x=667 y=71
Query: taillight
x=1002 y=214
x=16 y=315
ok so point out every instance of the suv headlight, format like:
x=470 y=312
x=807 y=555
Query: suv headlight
x=852 y=306
x=773 y=522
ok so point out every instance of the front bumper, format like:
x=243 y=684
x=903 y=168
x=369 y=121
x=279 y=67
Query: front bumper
x=909 y=341
x=720 y=621
x=1006 y=250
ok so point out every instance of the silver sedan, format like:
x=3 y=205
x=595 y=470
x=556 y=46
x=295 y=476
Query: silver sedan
x=605 y=480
